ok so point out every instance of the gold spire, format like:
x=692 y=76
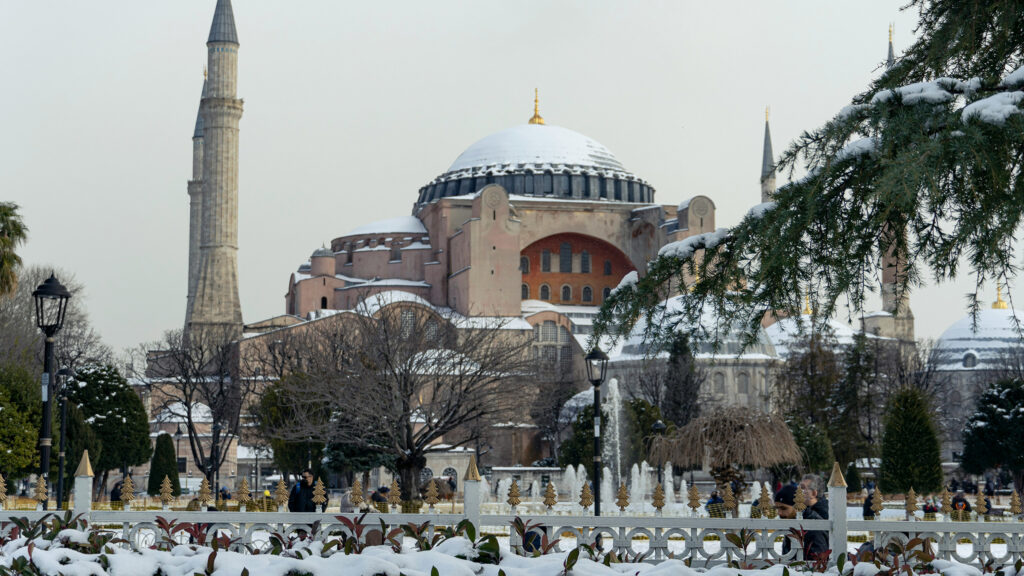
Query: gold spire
x=807 y=305
x=767 y=109
x=890 y=33
x=536 y=108
x=1000 y=304
x=204 y=72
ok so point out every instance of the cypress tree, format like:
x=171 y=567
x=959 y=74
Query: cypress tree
x=164 y=464
x=992 y=436
x=910 y=446
x=853 y=483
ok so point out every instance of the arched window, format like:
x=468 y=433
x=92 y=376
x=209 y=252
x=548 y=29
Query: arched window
x=432 y=331
x=565 y=359
x=549 y=332
x=408 y=323
x=323 y=302
x=545 y=292
x=607 y=267
x=396 y=253
x=563 y=335
x=451 y=475
x=565 y=258
x=545 y=261
x=585 y=262
x=970 y=360
x=566 y=293
x=426 y=475
x=536 y=332
x=743 y=383
x=524 y=264
x=588 y=294
x=526 y=292
x=719 y=382
x=605 y=294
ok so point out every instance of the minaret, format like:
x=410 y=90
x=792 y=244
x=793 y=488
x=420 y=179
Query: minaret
x=894 y=270
x=767 y=164
x=195 y=195
x=891 y=59
x=216 y=301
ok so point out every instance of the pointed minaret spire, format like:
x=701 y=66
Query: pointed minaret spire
x=199 y=117
x=767 y=163
x=537 y=119
x=891 y=59
x=223 y=27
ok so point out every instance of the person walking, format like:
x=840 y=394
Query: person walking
x=301 y=497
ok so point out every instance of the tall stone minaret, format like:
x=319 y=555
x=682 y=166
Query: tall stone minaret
x=894 y=270
x=216 y=303
x=195 y=195
x=767 y=164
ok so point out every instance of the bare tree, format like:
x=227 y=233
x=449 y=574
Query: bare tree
x=401 y=378
x=198 y=380
x=546 y=411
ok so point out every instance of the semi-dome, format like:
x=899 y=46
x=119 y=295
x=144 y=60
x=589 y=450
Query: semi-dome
x=538 y=159
x=985 y=346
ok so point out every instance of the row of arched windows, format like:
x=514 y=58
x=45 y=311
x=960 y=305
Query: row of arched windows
x=564 y=261
x=587 y=294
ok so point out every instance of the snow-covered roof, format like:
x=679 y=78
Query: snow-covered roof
x=401 y=224
x=786 y=331
x=536 y=144
x=997 y=335
x=175 y=412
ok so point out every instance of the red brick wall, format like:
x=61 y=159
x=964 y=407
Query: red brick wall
x=600 y=251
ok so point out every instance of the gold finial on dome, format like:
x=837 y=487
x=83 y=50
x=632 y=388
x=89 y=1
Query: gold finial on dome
x=767 y=109
x=537 y=119
x=204 y=72
x=890 y=33
x=1000 y=304
x=807 y=305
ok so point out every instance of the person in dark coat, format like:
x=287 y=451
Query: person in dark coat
x=715 y=505
x=815 y=541
x=115 y=492
x=868 y=513
x=817 y=494
x=301 y=497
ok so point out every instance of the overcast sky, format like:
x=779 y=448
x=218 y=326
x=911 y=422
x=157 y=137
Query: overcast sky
x=350 y=107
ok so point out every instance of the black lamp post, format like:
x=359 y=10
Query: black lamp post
x=62 y=381
x=177 y=447
x=597 y=364
x=51 y=298
x=658 y=428
x=215 y=460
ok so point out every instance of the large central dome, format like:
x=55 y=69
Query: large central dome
x=539 y=160
x=536 y=144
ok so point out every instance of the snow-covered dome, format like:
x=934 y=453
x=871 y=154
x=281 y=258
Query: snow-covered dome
x=784 y=332
x=730 y=344
x=964 y=346
x=536 y=144
x=540 y=160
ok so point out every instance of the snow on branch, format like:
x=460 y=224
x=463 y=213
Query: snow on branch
x=685 y=248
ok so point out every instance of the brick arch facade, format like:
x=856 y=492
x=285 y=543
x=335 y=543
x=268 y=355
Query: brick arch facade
x=598 y=252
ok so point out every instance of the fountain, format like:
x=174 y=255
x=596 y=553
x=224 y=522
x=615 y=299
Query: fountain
x=607 y=489
x=611 y=431
x=535 y=494
x=581 y=478
x=636 y=490
x=485 y=490
x=569 y=481
x=503 y=485
x=669 y=485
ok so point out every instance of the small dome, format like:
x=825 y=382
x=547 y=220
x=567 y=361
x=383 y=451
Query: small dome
x=789 y=330
x=985 y=347
x=322 y=252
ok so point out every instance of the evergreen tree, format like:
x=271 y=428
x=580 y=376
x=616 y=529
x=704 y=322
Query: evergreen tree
x=910 y=446
x=578 y=448
x=80 y=437
x=924 y=165
x=116 y=414
x=164 y=463
x=853 y=483
x=814 y=446
x=683 y=381
x=20 y=390
x=992 y=436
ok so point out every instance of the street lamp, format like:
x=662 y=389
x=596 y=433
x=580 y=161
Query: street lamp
x=51 y=298
x=62 y=381
x=215 y=461
x=658 y=428
x=597 y=364
x=177 y=448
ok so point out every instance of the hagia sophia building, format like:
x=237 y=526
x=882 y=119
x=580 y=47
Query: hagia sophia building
x=534 y=224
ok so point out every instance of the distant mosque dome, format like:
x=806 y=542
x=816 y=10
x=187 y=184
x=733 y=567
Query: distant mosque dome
x=984 y=347
x=537 y=159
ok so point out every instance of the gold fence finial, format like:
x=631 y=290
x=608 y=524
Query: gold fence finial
x=3 y=491
x=876 y=503
x=800 y=500
x=319 y=492
x=947 y=502
x=1015 y=508
x=728 y=497
x=622 y=497
x=42 y=492
x=356 y=496
x=911 y=503
x=127 y=490
x=84 y=467
x=693 y=497
x=243 y=492
x=395 y=493
x=166 y=490
x=836 y=480
x=550 y=496
x=659 y=497
x=431 y=495
x=513 y=494
x=206 y=496
x=281 y=493
x=586 y=496
x=472 y=474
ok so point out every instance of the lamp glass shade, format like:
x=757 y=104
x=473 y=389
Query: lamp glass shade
x=51 y=299
x=597 y=364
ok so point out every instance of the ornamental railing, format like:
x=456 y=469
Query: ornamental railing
x=702 y=541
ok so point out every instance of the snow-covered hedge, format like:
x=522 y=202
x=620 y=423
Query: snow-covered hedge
x=66 y=546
